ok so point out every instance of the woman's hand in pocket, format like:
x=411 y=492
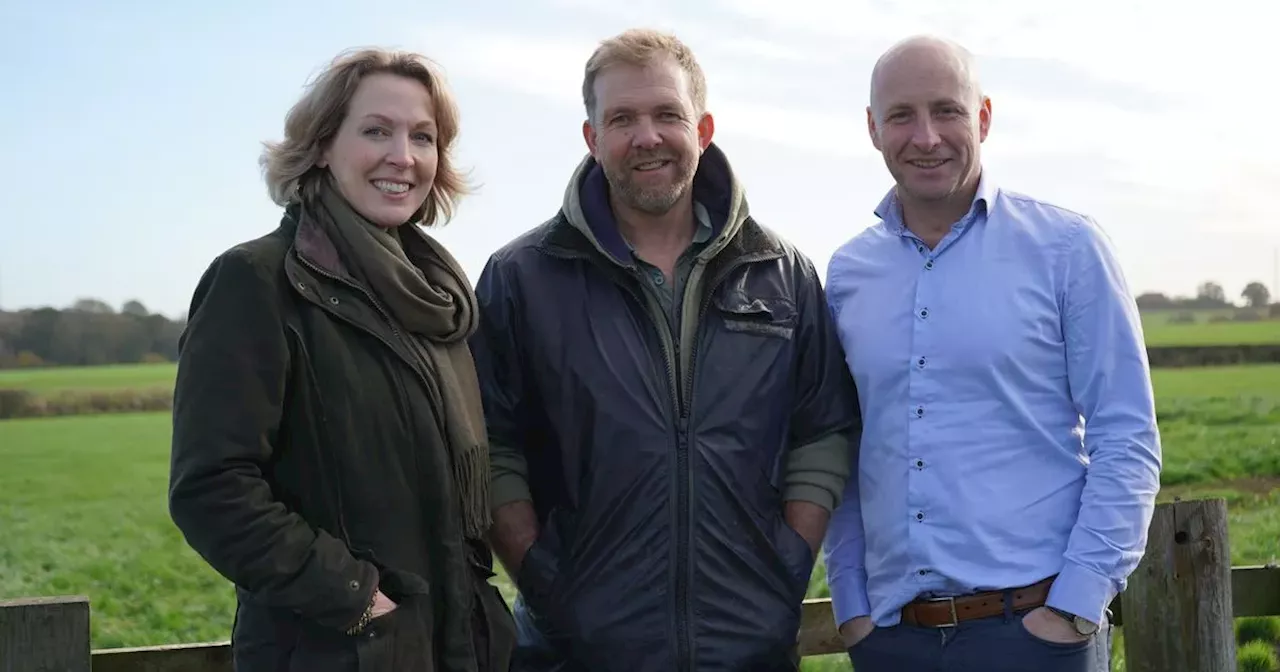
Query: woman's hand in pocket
x=382 y=605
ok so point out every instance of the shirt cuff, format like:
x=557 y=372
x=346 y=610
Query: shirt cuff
x=508 y=488
x=813 y=494
x=848 y=595
x=816 y=472
x=1082 y=592
x=507 y=480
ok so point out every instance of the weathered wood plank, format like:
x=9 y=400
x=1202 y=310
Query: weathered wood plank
x=1178 y=601
x=1255 y=590
x=44 y=634
x=818 y=632
x=204 y=657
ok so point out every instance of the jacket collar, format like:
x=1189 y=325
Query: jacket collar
x=586 y=221
x=313 y=245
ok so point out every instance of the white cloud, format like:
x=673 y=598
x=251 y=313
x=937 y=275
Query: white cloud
x=817 y=131
x=551 y=69
x=547 y=69
x=830 y=45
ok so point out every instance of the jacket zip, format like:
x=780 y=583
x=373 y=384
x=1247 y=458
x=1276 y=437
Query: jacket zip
x=684 y=473
x=378 y=306
x=682 y=397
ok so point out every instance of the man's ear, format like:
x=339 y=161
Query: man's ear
x=871 y=129
x=706 y=129
x=984 y=119
x=589 y=136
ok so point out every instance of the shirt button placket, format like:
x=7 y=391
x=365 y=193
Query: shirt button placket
x=920 y=391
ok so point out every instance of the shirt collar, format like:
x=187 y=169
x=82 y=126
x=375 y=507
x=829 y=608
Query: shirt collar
x=890 y=209
x=701 y=234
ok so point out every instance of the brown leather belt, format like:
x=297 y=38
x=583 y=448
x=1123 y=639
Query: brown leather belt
x=947 y=611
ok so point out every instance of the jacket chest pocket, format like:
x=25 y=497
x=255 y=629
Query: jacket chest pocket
x=773 y=317
x=747 y=361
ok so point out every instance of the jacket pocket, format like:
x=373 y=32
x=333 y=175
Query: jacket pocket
x=540 y=580
x=400 y=641
x=775 y=316
x=797 y=555
x=493 y=624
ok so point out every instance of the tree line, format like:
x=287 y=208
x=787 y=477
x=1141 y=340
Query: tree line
x=91 y=332
x=88 y=333
x=1209 y=295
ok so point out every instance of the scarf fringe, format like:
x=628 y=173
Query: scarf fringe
x=471 y=466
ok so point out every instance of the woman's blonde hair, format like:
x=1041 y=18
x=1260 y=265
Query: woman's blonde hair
x=289 y=165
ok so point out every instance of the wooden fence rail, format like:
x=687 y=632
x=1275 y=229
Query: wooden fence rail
x=1176 y=612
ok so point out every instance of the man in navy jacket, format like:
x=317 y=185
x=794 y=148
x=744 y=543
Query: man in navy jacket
x=668 y=404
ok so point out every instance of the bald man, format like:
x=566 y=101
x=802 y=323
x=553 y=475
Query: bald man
x=1010 y=459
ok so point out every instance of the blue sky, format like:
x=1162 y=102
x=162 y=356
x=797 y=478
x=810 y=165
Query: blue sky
x=131 y=130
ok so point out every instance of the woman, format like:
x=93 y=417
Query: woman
x=329 y=451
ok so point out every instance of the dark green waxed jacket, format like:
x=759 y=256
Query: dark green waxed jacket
x=309 y=470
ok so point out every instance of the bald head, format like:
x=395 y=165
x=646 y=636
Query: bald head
x=923 y=57
x=927 y=117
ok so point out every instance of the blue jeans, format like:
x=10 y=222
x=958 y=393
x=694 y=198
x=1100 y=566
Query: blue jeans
x=995 y=644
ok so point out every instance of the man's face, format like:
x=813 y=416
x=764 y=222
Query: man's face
x=928 y=121
x=646 y=134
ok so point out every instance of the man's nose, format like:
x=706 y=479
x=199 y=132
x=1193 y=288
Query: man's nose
x=925 y=136
x=646 y=134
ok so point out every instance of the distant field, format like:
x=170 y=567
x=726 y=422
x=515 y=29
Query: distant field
x=1252 y=380
x=1159 y=331
x=119 y=376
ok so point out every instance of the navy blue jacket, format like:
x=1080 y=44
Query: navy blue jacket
x=654 y=461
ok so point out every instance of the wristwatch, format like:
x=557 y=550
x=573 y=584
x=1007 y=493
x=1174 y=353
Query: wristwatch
x=1082 y=626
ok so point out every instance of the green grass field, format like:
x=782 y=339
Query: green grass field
x=114 y=377
x=1159 y=331
x=84 y=510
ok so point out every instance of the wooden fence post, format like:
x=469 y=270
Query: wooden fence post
x=1177 y=606
x=45 y=634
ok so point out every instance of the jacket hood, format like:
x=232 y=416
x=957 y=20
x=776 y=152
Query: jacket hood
x=586 y=204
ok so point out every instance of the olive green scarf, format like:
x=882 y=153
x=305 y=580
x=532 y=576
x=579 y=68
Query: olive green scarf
x=430 y=297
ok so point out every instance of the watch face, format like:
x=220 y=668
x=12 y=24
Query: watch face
x=1085 y=627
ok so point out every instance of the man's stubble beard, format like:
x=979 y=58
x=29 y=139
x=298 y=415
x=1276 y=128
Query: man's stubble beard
x=655 y=201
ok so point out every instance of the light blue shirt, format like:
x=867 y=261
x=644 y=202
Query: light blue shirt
x=979 y=365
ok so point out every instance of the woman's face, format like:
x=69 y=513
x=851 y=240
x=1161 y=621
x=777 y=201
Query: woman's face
x=384 y=155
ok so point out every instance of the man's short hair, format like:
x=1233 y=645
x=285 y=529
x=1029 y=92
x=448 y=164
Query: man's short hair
x=641 y=47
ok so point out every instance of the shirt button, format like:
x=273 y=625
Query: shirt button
x=928 y=264
x=354 y=585
x=919 y=464
x=924 y=313
x=919 y=248
x=658 y=279
x=919 y=411
x=920 y=362
x=919 y=515
x=923 y=572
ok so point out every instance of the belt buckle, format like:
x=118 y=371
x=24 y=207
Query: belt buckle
x=955 y=619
